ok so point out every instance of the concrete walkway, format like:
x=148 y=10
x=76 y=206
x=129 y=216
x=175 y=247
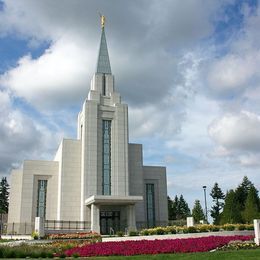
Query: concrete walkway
x=175 y=236
x=29 y=240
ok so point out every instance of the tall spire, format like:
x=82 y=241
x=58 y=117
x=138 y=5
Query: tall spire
x=103 y=63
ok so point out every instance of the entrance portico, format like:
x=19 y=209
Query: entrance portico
x=108 y=212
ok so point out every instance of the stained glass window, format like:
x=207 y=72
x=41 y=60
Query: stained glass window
x=150 y=205
x=106 y=176
x=41 y=198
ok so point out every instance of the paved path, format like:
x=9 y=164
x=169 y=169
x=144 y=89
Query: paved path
x=175 y=236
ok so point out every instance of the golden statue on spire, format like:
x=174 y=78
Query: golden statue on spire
x=103 y=20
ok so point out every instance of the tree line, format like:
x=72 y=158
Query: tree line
x=240 y=205
x=4 y=195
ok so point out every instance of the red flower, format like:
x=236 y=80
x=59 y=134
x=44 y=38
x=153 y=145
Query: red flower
x=126 y=248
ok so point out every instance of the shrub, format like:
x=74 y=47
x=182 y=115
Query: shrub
x=192 y=230
x=203 y=228
x=49 y=254
x=144 y=232
x=214 y=228
x=20 y=253
x=119 y=233
x=170 y=230
x=241 y=227
x=159 y=231
x=249 y=227
x=62 y=255
x=236 y=245
x=152 y=231
x=9 y=253
x=179 y=230
x=35 y=254
x=92 y=237
x=133 y=233
x=35 y=235
x=229 y=227
x=185 y=230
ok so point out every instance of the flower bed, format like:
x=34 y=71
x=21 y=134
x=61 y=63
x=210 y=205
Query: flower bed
x=127 y=248
x=91 y=236
x=41 y=250
x=195 y=229
x=237 y=245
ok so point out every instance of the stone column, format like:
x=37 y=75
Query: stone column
x=95 y=225
x=190 y=221
x=257 y=231
x=39 y=226
x=131 y=218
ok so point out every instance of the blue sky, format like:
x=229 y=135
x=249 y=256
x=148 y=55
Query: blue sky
x=189 y=71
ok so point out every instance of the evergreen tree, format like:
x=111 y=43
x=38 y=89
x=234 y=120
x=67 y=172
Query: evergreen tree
x=183 y=210
x=197 y=212
x=242 y=192
x=170 y=206
x=4 y=194
x=231 y=212
x=175 y=205
x=217 y=196
x=251 y=206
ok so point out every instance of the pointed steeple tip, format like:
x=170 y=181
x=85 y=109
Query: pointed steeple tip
x=103 y=63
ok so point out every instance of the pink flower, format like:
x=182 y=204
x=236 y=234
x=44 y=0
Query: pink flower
x=201 y=244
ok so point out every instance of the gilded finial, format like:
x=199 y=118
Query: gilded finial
x=102 y=20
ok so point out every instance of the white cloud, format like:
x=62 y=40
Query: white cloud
x=140 y=45
x=21 y=137
x=155 y=58
x=237 y=131
x=233 y=73
x=250 y=160
x=56 y=78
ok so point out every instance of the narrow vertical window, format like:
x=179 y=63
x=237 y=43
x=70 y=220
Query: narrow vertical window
x=81 y=129
x=150 y=205
x=106 y=175
x=104 y=85
x=41 y=198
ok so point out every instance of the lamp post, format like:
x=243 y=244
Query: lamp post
x=205 y=199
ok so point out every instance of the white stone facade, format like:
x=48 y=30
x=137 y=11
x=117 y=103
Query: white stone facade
x=99 y=177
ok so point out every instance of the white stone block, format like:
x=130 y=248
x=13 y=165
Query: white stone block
x=257 y=231
x=190 y=221
x=39 y=226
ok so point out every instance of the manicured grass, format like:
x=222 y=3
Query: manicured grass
x=253 y=254
x=5 y=240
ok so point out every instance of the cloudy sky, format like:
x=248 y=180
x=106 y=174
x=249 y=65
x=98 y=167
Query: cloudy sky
x=189 y=71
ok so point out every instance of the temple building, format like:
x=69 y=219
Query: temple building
x=98 y=178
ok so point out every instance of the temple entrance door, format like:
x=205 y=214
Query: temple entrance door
x=109 y=220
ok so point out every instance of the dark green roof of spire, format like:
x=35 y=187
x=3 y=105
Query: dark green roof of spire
x=103 y=63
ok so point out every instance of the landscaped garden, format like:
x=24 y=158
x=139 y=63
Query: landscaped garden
x=145 y=247
x=89 y=245
x=194 y=229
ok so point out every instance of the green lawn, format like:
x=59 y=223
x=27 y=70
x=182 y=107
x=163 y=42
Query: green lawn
x=253 y=254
